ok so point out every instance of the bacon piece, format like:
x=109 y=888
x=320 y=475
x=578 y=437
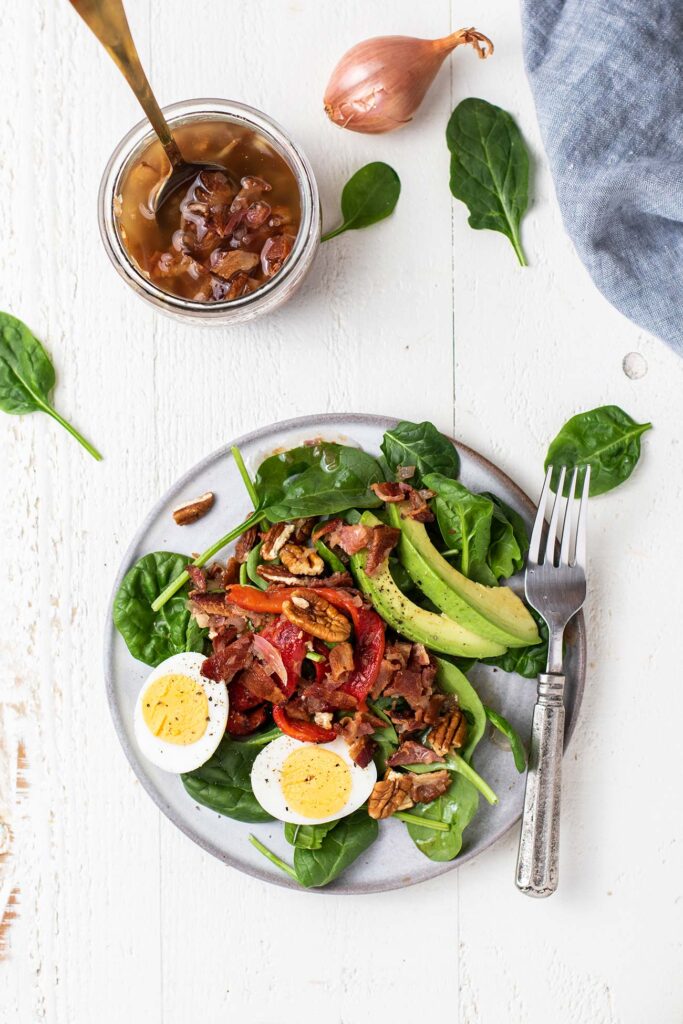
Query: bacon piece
x=362 y=751
x=257 y=681
x=351 y=538
x=412 y=752
x=241 y=723
x=197 y=577
x=225 y=664
x=383 y=540
x=430 y=786
x=390 y=491
x=351 y=727
x=210 y=602
x=324 y=528
x=245 y=543
x=318 y=697
x=419 y=509
x=341 y=660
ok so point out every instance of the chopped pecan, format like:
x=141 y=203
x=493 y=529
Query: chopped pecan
x=390 y=794
x=449 y=733
x=427 y=787
x=197 y=577
x=274 y=539
x=382 y=540
x=231 y=573
x=301 y=560
x=191 y=511
x=341 y=660
x=312 y=613
x=245 y=543
x=211 y=602
x=281 y=577
x=412 y=752
x=303 y=528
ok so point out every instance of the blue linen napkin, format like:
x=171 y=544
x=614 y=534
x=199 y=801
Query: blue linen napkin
x=607 y=78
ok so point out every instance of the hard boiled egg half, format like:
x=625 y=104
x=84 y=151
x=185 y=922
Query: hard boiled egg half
x=310 y=783
x=180 y=716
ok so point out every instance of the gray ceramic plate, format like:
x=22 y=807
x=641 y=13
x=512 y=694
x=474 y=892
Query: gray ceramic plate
x=393 y=861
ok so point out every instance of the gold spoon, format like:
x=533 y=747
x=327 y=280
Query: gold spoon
x=107 y=21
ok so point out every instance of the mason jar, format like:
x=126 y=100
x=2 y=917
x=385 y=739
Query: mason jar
x=273 y=292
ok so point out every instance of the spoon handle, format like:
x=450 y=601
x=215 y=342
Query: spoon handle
x=107 y=21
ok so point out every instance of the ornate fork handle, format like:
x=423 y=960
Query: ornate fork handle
x=539 y=846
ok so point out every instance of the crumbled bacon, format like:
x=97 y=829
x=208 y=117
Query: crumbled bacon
x=350 y=538
x=318 y=697
x=241 y=723
x=390 y=491
x=351 y=727
x=382 y=540
x=245 y=543
x=224 y=665
x=197 y=577
x=324 y=528
x=412 y=752
x=341 y=660
x=418 y=507
x=362 y=751
x=257 y=681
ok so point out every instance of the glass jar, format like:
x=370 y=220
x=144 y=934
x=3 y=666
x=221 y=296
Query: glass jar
x=271 y=294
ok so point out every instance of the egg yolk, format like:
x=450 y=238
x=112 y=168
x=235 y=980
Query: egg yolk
x=175 y=709
x=315 y=782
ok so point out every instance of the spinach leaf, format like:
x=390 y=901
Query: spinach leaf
x=509 y=539
x=525 y=661
x=316 y=480
x=224 y=782
x=420 y=445
x=516 y=745
x=606 y=439
x=454 y=762
x=339 y=848
x=451 y=680
x=308 y=837
x=27 y=376
x=464 y=520
x=489 y=168
x=369 y=196
x=154 y=636
x=457 y=807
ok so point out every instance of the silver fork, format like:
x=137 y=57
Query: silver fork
x=555 y=586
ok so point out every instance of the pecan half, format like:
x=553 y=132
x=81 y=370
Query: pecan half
x=191 y=511
x=390 y=794
x=274 y=539
x=245 y=543
x=312 y=613
x=449 y=733
x=281 y=577
x=301 y=560
x=427 y=787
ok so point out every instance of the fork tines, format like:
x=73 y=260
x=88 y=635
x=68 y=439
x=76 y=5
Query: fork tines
x=569 y=554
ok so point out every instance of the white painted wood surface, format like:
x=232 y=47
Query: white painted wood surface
x=120 y=918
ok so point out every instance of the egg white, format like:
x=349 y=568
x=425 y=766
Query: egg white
x=266 y=774
x=175 y=757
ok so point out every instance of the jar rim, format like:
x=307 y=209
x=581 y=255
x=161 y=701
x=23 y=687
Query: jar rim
x=269 y=294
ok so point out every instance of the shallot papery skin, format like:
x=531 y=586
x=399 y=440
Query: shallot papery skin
x=379 y=84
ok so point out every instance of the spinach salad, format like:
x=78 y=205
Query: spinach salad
x=317 y=674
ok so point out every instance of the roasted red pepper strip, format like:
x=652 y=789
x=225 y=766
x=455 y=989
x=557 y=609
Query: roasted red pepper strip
x=291 y=642
x=254 y=600
x=307 y=732
x=368 y=654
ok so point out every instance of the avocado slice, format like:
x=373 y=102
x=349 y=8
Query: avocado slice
x=438 y=632
x=495 y=613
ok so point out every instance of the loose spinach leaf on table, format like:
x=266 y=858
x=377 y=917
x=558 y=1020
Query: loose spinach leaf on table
x=316 y=480
x=489 y=168
x=308 y=837
x=154 y=636
x=368 y=197
x=339 y=848
x=607 y=439
x=420 y=445
x=224 y=782
x=27 y=376
x=509 y=731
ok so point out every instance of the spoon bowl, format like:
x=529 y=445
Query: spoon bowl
x=107 y=20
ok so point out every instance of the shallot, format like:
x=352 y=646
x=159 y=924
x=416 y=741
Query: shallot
x=379 y=84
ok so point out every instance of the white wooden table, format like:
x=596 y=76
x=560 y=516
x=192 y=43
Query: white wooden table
x=117 y=916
